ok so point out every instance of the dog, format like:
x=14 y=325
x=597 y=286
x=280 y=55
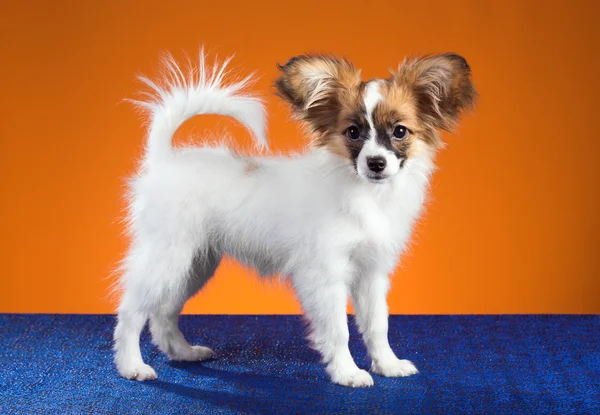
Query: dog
x=332 y=219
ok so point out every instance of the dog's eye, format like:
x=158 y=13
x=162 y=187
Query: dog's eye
x=353 y=133
x=400 y=132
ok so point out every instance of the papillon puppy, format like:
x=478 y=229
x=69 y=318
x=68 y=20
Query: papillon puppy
x=333 y=219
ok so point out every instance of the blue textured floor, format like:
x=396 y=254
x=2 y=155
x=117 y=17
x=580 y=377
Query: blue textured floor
x=468 y=364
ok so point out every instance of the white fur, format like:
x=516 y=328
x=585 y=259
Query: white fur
x=371 y=148
x=309 y=217
x=371 y=99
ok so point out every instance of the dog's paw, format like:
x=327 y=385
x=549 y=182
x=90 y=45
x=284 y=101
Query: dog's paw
x=393 y=368
x=141 y=372
x=356 y=379
x=201 y=353
x=193 y=354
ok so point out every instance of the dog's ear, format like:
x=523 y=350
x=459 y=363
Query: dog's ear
x=312 y=85
x=442 y=87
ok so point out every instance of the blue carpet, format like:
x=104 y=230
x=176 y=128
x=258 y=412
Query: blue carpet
x=469 y=365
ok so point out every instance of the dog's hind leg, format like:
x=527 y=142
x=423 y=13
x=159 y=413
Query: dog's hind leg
x=128 y=357
x=163 y=320
x=158 y=280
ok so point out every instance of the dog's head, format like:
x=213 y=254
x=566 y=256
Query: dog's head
x=379 y=124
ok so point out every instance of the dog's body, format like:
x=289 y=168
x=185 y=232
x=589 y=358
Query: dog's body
x=321 y=218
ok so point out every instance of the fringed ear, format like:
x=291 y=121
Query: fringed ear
x=312 y=83
x=442 y=87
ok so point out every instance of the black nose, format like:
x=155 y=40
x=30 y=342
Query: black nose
x=376 y=164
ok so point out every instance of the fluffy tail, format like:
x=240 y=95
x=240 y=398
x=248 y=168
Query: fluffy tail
x=201 y=91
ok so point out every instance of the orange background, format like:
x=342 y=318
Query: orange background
x=513 y=222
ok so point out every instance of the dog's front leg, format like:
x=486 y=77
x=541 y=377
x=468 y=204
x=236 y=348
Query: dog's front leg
x=324 y=302
x=369 y=296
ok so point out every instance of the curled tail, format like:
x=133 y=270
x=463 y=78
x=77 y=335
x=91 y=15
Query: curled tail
x=201 y=91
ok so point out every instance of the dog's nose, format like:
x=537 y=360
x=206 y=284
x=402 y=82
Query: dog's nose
x=376 y=164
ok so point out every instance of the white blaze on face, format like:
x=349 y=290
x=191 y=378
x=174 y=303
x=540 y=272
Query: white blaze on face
x=371 y=148
x=372 y=98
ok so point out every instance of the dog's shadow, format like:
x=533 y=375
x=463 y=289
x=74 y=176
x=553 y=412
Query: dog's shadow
x=298 y=392
x=300 y=386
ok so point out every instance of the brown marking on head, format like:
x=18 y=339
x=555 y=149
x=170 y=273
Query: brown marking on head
x=351 y=112
x=318 y=87
x=397 y=107
x=442 y=88
x=336 y=143
x=423 y=95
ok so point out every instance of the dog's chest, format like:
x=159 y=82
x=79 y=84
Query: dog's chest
x=383 y=223
x=378 y=228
